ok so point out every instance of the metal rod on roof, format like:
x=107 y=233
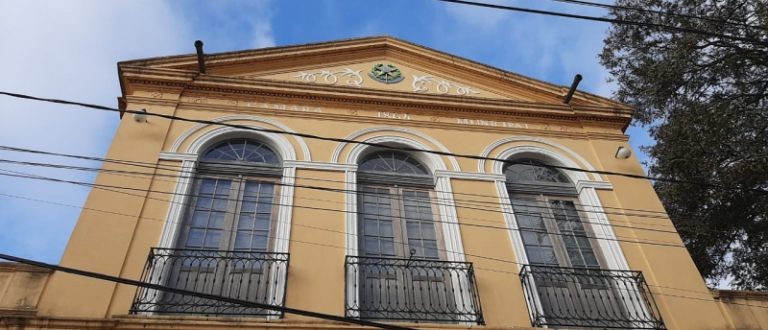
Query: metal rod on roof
x=200 y=58
x=576 y=81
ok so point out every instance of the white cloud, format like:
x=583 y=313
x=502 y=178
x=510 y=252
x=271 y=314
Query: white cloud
x=262 y=35
x=477 y=17
x=69 y=50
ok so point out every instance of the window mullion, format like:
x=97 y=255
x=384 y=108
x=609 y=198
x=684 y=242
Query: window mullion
x=555 y=236
x=233 y=210
x=398 y=221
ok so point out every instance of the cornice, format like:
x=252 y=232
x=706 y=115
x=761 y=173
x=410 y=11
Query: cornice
x=341 y=118
x=384 y=45
x=206 y=84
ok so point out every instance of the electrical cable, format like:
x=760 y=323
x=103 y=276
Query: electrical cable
x=478 y=268
x=471 y=205
x=163 y=288
x=609 y=20
x=233 y=231
x=372 y=144
x=659 y=12
x=99 y=186
x=192 y=172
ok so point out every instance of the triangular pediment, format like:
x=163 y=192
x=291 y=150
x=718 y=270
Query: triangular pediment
x=384 y=74
x=377 y=63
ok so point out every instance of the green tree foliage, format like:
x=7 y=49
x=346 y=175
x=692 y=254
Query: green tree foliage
x=705 y=101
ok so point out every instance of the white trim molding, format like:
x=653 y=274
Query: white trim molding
x=580 y=161
x=184 y=183
x=186 y=135
x=597 y=220
x=448 y=217
x=180 y=156
x=469 y=176
x=605 y=185
x=335 y=158
x=320 y=165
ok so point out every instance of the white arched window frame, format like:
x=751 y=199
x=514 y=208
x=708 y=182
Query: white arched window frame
x=448 y=218
x=449 y=226
x=586 y=186
x=189 y=157
x=208 y=136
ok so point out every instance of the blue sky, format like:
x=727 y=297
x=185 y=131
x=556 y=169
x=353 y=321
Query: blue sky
x=70 y=49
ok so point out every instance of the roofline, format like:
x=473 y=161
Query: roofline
x=382 y=38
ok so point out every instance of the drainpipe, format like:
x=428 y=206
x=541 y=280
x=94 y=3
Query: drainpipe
x=576 y=81
x=200 y=59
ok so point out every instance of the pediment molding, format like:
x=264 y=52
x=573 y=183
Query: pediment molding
x=260 y=63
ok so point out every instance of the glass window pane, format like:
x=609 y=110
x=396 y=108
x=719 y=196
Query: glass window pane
x=415 y=247
x=386 y=229
x=245 y=222
x=387 y=247
x=430 y=249
x=371 y=227
x=241 y=150
x=259 y=242
x=248 y=207
x=220 y=203
x=252 y=188
x=414 y=229
x=207 y=186
x=530 y=238
x=195 y=238
x=428 y=231
x=204 y=203
x=263 y=208
x=267 y=188
x=371 y=245
x=199 y=219
x=216 y=220
x=391 y=162
x=212 y=238
x=262 y=224
x=242 y=240
x=222 y=187
x=590 y=259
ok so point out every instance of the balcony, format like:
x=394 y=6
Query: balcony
x=411 y=290
x=589 y=298
x=252 y=276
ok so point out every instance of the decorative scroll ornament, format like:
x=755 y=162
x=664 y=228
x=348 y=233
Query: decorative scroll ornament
x=386 y=73
x=331 y=77
x=421 y=84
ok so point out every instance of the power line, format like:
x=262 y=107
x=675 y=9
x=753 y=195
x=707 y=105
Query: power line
x=126 y=281
x=659 y=12
x=372 y=144
x=609 y=20
x=467 y=204
x=232 y=231
x=190 y=174
x=2 y=256
x=100 y=186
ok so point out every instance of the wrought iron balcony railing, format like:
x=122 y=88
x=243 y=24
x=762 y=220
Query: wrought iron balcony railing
x=411 y=290
x=580 y=297
x=252 y=276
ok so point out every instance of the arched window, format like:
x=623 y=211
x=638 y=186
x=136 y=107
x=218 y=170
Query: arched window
x=565 y=263
x=232 y=204
x=225 y=241
x=544 y=202
x=396 y=213
x=401 y=270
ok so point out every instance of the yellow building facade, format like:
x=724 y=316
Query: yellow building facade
x=375 y=179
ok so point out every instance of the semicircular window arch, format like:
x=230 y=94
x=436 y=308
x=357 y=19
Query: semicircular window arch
x=533 y=171
x=241 y=150
x=392 y=162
